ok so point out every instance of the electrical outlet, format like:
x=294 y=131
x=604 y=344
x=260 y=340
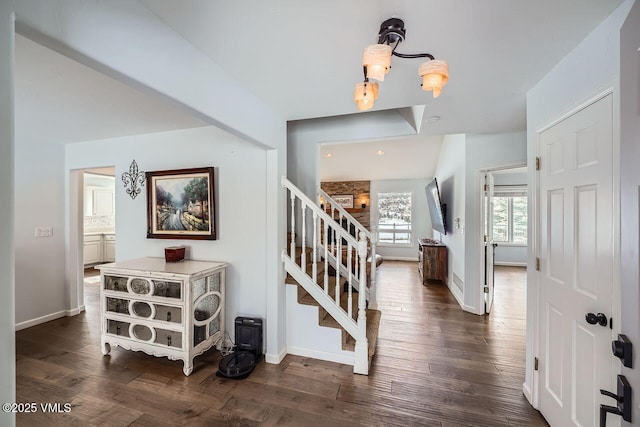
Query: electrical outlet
x=44 y=231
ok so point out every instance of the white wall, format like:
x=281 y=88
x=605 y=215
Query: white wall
x=420 y=220
x=240 y=170
x=462 y=158
x=565 y=87
x=506 y=254
x=487 y=151
x=630 y=188
x=84 y=31
x=7 y=213
x=450 y=173
x=39 y=201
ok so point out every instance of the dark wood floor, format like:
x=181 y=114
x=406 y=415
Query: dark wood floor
x=435 y=365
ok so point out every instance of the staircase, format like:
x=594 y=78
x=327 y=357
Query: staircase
x=335 y=274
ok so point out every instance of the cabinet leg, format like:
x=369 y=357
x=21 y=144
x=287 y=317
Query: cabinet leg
x=106 y=348
x=188 y=367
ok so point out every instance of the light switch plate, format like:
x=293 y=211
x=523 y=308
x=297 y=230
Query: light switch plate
x=44 y=231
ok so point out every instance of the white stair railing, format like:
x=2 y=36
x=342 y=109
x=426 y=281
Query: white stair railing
x=348 y=222
x=330 y=242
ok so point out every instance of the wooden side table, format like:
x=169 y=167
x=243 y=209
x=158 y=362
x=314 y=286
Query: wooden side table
x=432 y=261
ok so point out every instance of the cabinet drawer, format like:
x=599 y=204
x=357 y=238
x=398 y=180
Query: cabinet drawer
x=110 y=237
x=144 y=334
x=143 y=287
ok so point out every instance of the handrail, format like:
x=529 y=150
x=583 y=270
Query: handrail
x=321 y=213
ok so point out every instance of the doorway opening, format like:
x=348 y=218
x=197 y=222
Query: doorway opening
x=505 y=240
x=97 y=227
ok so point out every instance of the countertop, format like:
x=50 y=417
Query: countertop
x=97 y=233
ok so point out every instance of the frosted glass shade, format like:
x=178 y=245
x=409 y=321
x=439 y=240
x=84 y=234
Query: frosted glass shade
x=435 y=74
x=377 y=59
x=365 y=95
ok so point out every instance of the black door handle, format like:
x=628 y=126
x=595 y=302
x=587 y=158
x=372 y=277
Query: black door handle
x=594 y=319
x=623 y=401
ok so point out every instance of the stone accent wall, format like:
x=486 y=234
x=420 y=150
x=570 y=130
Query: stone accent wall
x=361 y=192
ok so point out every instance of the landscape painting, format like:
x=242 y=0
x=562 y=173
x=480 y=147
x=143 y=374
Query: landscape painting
x=181 y=204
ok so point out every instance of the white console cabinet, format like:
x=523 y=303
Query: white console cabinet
x=172 y=309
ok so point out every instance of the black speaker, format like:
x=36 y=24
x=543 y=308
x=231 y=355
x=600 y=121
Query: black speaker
x=249 y=335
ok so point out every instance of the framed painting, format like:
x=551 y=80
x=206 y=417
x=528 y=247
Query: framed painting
x=181 y=204
x=344 y=201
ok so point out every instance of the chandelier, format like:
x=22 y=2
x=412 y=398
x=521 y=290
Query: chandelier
x=376 y=62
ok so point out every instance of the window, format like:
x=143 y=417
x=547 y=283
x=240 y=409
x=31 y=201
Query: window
x=510 y=215
x=394 y=218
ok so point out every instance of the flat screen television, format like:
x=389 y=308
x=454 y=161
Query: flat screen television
x=437 y=210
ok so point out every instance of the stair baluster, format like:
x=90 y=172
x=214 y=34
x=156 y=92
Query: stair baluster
x=355 y=272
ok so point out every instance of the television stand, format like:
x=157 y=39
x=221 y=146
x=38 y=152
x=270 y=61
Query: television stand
x=432 y=261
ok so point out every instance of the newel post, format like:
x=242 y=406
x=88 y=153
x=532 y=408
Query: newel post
x=361 y=365
x=373 y=301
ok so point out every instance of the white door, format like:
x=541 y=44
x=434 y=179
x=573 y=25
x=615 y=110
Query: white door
x=576 y=273
x=489 y=246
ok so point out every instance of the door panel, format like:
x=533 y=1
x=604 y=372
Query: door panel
x=576 y=278
x=489 y=247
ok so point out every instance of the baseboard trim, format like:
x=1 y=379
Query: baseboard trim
x=460 y=298
x=510 y=264
x=275 y=359
x=38 y=320
x=49 y=317
x=75 y=311
x=346 y=359
x=399 y=258
x=527 y=393
x=457 y=293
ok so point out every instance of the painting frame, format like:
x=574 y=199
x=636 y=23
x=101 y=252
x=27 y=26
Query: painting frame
x=345 y=201
x=190 y=216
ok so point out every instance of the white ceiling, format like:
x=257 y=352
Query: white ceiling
x=304 y=58
x=406 y=158
x=60 y=100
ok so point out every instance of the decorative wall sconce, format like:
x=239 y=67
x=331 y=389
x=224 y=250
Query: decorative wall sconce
x=376 y=62
x=132 y=179
x=364 y=205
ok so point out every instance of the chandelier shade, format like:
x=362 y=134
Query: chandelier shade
x=365 y=95
x=377 y=60
x=435 y=74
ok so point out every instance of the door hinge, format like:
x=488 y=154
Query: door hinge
x=486 y=187
x=535 y=363
x=485 y=238
x=537 y=163
x=538 y=264
x=486 y=289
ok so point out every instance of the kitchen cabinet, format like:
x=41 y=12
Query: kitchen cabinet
x=92 y=249
x=99 y=248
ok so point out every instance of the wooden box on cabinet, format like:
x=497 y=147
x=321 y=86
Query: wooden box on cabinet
x=174 y=310
x=432 y=261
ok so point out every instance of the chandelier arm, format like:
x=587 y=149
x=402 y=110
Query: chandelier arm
x=412 y=55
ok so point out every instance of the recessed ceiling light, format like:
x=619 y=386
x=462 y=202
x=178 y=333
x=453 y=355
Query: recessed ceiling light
x=328 y=155
x=432 y=119
x=379 y=152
